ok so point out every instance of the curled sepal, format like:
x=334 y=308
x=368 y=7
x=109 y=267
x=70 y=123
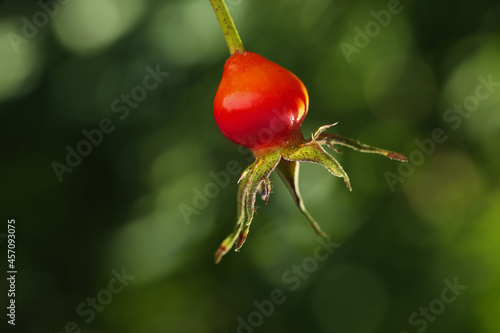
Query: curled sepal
x=254 y=177
x=229 y=241
x=321 y=130
x=335 y=139
x=313 y=152
x=266 y=163
x=289 y=173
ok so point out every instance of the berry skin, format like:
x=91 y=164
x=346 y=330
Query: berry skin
x=259 y=104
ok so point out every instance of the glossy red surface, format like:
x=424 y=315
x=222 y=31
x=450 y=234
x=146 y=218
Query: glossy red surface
x=259 y=104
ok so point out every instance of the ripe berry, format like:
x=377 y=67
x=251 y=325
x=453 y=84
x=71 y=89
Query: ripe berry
x=259 y=104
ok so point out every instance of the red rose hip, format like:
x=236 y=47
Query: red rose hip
x=259 y=104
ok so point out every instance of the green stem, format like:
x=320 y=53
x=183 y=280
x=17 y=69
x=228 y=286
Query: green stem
x=233 y=39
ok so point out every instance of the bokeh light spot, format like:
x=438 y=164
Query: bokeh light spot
x=17 y=69
x=187 y=33
x=92 y=25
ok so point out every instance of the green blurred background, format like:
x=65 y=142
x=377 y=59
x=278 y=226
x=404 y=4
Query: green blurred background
x=63 y=66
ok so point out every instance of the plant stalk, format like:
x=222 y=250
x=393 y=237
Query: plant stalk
x=226 y=22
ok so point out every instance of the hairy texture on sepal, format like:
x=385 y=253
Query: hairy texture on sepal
x=313 y=152
x=335 y=139
x=255 y=177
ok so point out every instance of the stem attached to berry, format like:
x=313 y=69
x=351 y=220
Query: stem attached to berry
x=233 y=39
